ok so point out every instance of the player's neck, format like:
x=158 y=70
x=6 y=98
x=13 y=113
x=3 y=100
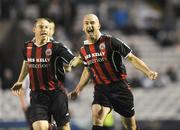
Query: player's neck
x=94 y=40
x=41 y=42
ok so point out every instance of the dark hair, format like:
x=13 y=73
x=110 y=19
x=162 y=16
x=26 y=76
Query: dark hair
x=49 y=20
x=36 y=20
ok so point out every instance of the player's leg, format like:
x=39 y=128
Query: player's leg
x=129 y=123
x=123 y=103
x=39 y=110
x=52 y=122
x=60 y=110
x=66 y=126
x=99 y=114
x=40 y=125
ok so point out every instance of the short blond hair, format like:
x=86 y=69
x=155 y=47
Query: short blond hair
x=92 y=15
x=38 y=19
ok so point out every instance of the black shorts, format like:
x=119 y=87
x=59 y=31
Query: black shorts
x=28 y=119
x=117 y=96
x=45 y=103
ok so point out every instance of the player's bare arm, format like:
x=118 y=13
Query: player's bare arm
x=22 y=100
x=18 y=85
x=82 y=83
x=67 y=68
x=140 y=65
x=77 y=61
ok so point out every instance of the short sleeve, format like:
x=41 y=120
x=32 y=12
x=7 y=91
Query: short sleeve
x=65 y=53
x=119 y=46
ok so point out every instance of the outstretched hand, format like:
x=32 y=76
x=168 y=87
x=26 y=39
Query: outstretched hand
x=152 y=75
x=67 y=68
x=73 y=95
x=16 y=89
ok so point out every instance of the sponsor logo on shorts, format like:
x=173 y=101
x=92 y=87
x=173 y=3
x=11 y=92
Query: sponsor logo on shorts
x=132 y=108
x=67 y=114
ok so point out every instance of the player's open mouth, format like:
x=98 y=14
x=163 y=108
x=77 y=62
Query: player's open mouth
x=90 y=31
x=44 y=34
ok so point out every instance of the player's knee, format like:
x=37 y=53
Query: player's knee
x=65 y=127
x=130 y=127
x=40 y=125
x=52 y=127
x=98 y=122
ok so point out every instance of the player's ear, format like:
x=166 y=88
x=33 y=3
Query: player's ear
x=33 y=30
x=83 y=28
x=99 y=26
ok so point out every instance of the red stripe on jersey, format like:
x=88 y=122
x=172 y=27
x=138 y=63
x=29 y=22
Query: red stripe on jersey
x=60 y=83
x=97 y=65
x=107 y=64
x=83 y=52
x=29 y=54
x=52 y=85
x=49 y=71
x=39 y=70
x=97 y=80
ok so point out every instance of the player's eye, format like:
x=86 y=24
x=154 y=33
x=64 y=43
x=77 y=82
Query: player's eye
x=40 y=26
x=86 y=23
x=92 y=22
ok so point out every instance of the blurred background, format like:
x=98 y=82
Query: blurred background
x=150 y=27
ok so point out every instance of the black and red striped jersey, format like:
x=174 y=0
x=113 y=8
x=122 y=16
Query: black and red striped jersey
x=45 y=63
x=104 y=59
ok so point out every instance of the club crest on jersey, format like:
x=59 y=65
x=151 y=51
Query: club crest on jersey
x=102 y=46
x=48 y=52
